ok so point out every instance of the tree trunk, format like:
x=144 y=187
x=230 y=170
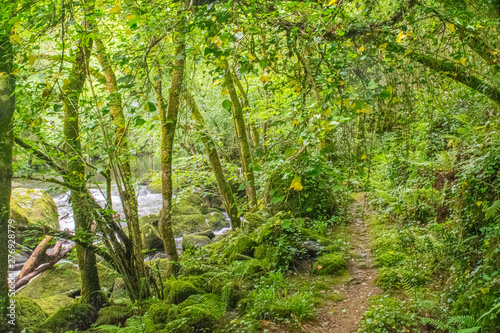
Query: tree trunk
x=246 y=156
x=91 y=288
x=123 y=171
x=213 y=156
x=168 y=120
x=254 y=129
x=7 y=107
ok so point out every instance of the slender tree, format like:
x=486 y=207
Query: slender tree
x=213 y=156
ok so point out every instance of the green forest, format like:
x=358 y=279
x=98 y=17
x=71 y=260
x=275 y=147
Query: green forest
x=250 y=166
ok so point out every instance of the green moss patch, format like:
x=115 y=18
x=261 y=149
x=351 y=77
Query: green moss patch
x=79 y=316
x=28 y=313
x=332 y=263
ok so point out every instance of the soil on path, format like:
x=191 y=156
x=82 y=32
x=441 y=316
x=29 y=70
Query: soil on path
x=344 y=316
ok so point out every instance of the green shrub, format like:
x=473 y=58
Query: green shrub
x=329 y=264
x=28 y=313
x=79 y=316
x=388 y=314
x=389 y=258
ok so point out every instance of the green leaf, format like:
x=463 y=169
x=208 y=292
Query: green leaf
x=150 y=106
x=139 y=122
x=227 y=104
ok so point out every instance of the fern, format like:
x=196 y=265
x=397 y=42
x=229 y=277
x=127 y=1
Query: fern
x=492 y=211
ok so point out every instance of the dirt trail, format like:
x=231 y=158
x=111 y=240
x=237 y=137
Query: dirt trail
x=344 y=316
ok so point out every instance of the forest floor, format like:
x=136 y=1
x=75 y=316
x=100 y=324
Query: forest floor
x=344 y=316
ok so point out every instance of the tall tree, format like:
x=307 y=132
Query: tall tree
x=168 y=120
x=91 y=288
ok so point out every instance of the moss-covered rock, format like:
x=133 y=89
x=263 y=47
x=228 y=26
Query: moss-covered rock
x=208 y=233
x=195 y=201
x=151 y=219
x=151 y=240
x=79 y=316
x=28 y=313
x=161 y=313
x=62 y=278
x=107 y=276
x=195 y=241
x=155 y=184
x=252 y=221
x=119 y=289
x=329 y=264
x=188 y=224
x=32 y=207
x=113 y=315
x=240 y=247
x=217 y=221
x=178 y=291
x=51 y=304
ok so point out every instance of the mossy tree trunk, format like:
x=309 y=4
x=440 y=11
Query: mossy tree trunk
x=91 y=288
x=213 y=156
x=246 y=156
x=254 y=129
x=7 y=107
x=168 y=120
x=120 y=158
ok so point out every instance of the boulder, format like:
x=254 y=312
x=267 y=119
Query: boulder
x=78 y=316
x=61 y=279
x=151 y=240
x=51 y=304
x=188 y=224
x=151 y=219
x=107 y=276
x=195 y=240
x=189 y=202
x=252 y=221
x=217 y=221
x=119 y=290
x=332 y=263
x=155 y=185
x=208 y=233
x=312 y=248
x=28 y=313
x=115 y=315
x=32 y=207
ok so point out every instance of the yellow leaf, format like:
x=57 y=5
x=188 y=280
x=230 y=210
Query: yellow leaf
x=332 y=2
x=251 y=56
x=479 y=203
x=100 y=104
x=363 y=157
x=390 y=89
x=219 y=43
x=15 y=39
x=494 y=53
x=463 y=60
x=115 y=9
x=224 y=92
x=295 y=122
x=408 y=52
x=31 y=60
x=264 y=79
x=478 y=25
x=66 y=82
x=329 y=80
x=347 y=103
x=361 y=49
x=169 y=39
x=400 y=37
x=130 y=17
x=383 y=46
x=296 y=185
x=216 y=82
x=214 y=39
x=451 y=27
x=395 y=100
x=56 y=75
x=342 y=83
x=155 y=118
x=214 y=18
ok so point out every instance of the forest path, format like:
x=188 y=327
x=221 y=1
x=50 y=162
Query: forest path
x=345 y=316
